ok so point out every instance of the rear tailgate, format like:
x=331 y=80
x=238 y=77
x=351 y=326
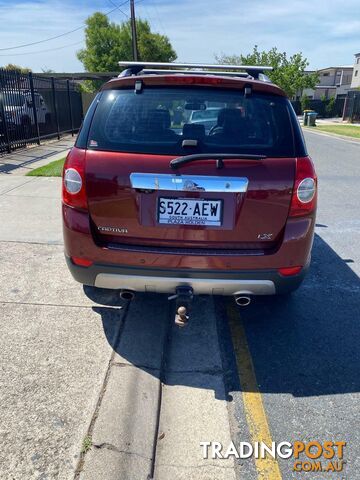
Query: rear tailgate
x=251 y=220
x=139 y=131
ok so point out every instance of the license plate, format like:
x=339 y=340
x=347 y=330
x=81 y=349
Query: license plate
x=189 y=211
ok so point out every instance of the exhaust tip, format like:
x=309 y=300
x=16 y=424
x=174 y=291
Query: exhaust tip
x=242 y=300
x=127 y=295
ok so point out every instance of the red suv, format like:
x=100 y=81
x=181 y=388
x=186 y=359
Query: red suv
x=153 y=201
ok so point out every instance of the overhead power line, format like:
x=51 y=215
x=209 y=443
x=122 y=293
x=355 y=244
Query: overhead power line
x=121 y=11
x=62 y=34
x=41 y=51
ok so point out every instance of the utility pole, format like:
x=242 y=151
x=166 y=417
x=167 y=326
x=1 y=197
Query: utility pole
x=133 y=31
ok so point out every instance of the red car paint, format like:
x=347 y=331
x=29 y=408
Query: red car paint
x=110 y=224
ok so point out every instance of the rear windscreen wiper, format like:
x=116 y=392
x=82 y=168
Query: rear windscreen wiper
x=219 y=157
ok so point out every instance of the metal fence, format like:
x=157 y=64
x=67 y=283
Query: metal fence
x=352 y=107
x=323 y=108
x=33 y=108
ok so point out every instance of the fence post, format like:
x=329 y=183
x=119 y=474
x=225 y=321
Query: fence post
x=55 y=107
x=356 y=111
x=70 y=108
x=345 y=109
x=351 y=113
x=31 y=80
x=6 y=131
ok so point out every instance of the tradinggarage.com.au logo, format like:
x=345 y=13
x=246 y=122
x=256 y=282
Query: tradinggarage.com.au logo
x=309 y=456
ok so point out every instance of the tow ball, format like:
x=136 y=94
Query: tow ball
x=183 y=296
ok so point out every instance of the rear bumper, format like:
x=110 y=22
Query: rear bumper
x=254 y=282
x=159 y=271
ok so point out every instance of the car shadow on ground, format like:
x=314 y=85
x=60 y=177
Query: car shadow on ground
x=308 y=344
x=304 y=345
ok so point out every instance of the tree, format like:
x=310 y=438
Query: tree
x=288 y=72
x=107 y=43
x=305 y=102
x=17 y=68
x=330 y=107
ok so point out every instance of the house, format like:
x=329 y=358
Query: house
x=333 y=82
x=355 y=82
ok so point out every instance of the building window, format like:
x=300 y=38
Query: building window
x=358 y=60
x=326 y=74
x=356 y=72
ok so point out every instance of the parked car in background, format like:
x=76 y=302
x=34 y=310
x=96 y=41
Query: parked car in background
x=19 y=111
x=226 y=211
x=207 y=117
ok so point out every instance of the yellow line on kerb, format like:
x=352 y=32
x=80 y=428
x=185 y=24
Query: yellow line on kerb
x=267 y=468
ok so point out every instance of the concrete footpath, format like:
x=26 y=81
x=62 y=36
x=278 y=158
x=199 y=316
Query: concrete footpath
x=23 y=160
x=54 y=347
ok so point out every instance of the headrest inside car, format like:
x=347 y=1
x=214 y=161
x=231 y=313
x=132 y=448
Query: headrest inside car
x=228 y=116
x=193 y=131
x=159 y=119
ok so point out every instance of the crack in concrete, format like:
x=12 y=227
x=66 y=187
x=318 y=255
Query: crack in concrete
x=35 y=304
x=110 y=446
x=18 y=186
x=54 y=243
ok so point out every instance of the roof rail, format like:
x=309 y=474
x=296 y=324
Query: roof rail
x=134 y=68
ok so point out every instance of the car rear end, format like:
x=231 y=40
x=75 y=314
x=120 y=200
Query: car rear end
x=235 y=216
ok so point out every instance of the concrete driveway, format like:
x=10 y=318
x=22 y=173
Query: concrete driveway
x=54 y=351
x=92 y=389
x=81 y=369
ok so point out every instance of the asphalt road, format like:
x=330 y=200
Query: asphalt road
x=77 y=364
x=305 y=350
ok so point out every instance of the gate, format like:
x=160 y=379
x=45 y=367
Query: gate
x=352 y=107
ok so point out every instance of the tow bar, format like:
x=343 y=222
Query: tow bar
x=183 y=296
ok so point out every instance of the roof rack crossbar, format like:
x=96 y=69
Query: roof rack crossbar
x=150 y=71
x=133 y=68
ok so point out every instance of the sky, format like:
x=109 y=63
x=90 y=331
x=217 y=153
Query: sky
x=327 y=32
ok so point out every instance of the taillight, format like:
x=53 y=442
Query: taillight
x=304 y=195
x=73 y=188
x=81 y=262
x=288 y=271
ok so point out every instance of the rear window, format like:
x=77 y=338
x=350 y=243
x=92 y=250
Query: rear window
x=178 y=121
